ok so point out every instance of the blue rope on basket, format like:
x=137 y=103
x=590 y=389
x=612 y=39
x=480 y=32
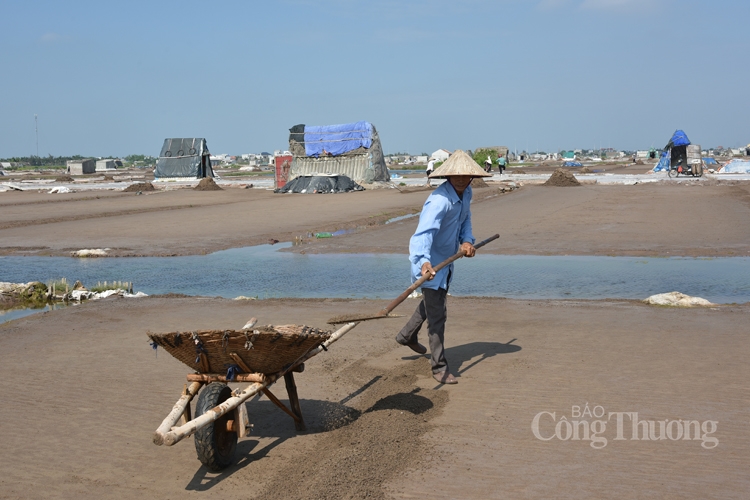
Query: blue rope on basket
x=232 y=372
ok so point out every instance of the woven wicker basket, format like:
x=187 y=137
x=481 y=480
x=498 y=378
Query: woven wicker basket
x=265 y=349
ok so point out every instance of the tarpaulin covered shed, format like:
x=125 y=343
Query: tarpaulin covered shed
x=677 y=147
x=679 y=138
x=351 y=149
x=185 y=159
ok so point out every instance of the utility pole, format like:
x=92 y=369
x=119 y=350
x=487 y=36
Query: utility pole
x=36 y=129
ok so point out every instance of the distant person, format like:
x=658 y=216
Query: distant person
x=488 y=163
x=430 y=168
x=501 y=163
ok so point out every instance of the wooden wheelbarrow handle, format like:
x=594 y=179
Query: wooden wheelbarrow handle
x=390 y=307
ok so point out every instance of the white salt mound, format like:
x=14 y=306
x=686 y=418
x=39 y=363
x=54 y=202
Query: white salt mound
x=90 y=252
x=677 y=299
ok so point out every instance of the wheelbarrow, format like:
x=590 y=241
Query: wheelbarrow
x=258 y=356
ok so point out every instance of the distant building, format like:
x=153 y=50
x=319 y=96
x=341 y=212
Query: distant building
x=441 y=155
x=104 y=165
x=80 y=167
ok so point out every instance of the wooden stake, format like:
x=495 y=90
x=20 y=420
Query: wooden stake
x=205 y=367
x=281 y=405
x=186 y=415
x=240 y=362
x=291 y=390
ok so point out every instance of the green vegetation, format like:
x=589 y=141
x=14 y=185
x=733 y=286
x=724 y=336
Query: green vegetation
x=125 y=286
x=480 y=155
x=139 y=161
x=59 y=287
x=29 y=162
x=36 y=293
x=139 y=158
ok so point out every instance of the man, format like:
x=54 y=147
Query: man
x=444 y=227
x=501 y=163
x=430 y=168
x=488 y=163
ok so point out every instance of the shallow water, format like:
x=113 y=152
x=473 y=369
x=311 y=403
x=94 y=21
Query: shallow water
x=20 y=313
x=264 y=272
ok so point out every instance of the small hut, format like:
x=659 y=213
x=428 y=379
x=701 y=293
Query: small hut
x=105 y=165
x=184 y=159
x=350 y=149
x=80 y=167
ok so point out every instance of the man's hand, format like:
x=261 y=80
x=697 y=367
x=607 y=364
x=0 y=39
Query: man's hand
x=428 y=271
x=468 y=249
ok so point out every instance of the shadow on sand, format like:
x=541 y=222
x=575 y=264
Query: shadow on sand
x=320 y=416
x=461 y=354
x=270 y=423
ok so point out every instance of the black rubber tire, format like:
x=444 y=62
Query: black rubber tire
x=672 y=173
x=214 y=444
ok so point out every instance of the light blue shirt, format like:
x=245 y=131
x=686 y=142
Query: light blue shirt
x=445 y=223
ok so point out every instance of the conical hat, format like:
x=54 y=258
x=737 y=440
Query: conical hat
x=459 y=163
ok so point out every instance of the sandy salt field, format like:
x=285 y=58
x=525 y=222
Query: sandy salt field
x=542 y=384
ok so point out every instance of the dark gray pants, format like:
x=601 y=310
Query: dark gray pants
x=432 y=308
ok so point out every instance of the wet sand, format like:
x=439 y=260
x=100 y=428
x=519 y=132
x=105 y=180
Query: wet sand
x=83 y=391
x=662 y=219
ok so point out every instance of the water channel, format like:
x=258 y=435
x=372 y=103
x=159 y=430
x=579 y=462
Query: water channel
x=265 y=272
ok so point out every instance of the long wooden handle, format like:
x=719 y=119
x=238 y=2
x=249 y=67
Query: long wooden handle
x=390 y=307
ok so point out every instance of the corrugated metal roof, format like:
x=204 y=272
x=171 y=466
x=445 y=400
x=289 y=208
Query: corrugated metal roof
x=358 y=168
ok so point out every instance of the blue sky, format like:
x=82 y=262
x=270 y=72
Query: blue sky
x=116 y=78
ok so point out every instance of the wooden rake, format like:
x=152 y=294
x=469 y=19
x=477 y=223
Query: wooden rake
x=385 y=312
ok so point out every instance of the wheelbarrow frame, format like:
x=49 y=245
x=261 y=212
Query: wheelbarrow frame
x=170 y=433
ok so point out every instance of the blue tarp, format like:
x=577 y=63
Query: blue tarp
x=707 y=160
x=679 y=138
x=736 y=167
x=572 y=164
x=663 y=162
x=337 y=139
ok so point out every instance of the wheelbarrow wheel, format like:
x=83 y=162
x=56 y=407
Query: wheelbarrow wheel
x=215 y=444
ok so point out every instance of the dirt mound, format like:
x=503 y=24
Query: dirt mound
x=562 y=178
x=64 y=178
x=478 y=182
x=585 y=170
x=376 y=438
x=139 y=186
x=207 y=184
